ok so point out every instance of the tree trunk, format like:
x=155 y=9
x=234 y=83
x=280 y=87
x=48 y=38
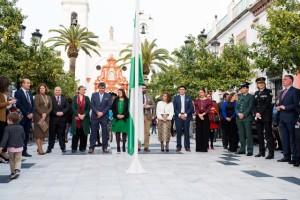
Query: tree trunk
x=72 y=65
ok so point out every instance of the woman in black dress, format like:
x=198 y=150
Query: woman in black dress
x=202 y=109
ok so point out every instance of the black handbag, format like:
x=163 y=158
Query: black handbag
x=216 y=118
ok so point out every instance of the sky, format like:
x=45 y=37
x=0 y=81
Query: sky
x=173 y=19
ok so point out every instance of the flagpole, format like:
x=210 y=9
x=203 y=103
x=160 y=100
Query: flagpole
x=135 y=166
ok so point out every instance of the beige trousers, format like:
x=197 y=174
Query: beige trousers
x=15 y=159
x=147 y=124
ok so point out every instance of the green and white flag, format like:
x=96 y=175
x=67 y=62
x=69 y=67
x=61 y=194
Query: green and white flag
x=136 y=119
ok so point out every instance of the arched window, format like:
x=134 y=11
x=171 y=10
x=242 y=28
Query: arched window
x=74 y=19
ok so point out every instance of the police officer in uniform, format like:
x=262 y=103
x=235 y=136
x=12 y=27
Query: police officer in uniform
x=262 y=109
x=244 y=120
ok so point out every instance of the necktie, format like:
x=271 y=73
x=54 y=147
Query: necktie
x=101 y=95
x=284 y=93
x=58 y=101
x=144 y=103
x=28 y=98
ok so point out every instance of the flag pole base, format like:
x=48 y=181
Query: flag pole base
x=135 y=167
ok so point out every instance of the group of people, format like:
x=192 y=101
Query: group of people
x=235 y=115
x=240 y=113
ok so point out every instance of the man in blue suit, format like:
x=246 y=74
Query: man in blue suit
x=288 y=102
x=26 y=105
x=183 y=108
x=100 y=104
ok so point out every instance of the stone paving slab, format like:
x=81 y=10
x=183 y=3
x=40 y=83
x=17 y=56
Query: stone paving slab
x=176 y=176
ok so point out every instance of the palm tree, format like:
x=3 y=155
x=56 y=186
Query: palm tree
x=73 y=39
x=151 y=57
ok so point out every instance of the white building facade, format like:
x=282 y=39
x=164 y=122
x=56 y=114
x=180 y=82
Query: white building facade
x=237 y=24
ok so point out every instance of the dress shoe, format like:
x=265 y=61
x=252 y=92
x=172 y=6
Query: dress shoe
x=105 y=151
x=178 y=150
x=147 y=150
x=296 y=164
x=292 y=162
x=270 y=156
x=73 y=151
x=260 y=154
x=48 y=151
x=139 y=149
x=240 y=152
x=284 y=160
x=25 y=154
x=91 y=150
x=63 y=150
x=188 y=149
x=249 y=154
x=123 y=149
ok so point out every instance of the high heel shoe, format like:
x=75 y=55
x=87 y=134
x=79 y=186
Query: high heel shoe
x=162 y=147
x=41 y=153
x=167 y=147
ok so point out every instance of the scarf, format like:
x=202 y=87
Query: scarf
x=80 y=109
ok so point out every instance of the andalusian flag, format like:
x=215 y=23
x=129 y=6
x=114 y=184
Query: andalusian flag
x=136 y=120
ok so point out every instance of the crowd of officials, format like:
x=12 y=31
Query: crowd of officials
x=53 y=116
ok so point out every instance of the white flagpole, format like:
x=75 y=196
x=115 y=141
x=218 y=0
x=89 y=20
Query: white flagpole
x=135 y=166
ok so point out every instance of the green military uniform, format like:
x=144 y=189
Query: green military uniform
x=244 y=106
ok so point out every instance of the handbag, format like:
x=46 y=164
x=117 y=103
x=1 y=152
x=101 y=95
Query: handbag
x=43 y=125
x=216 y=118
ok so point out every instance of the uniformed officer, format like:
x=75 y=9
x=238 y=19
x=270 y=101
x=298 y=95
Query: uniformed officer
x=262 y=109
x=244 y=120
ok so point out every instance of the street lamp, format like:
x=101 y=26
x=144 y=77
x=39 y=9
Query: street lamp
x=202 y=34
x=22 y=32
x=215 y=45
x=37 y=36
x=143 y=29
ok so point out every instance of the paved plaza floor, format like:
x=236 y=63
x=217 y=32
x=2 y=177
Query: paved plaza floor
x=217 y=174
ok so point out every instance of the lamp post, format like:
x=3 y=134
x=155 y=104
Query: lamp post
x=215 y=45
x=22 y=32
x=37 y=36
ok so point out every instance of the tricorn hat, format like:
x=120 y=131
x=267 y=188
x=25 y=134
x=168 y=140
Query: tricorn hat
x=260 y=80
x=245 y=84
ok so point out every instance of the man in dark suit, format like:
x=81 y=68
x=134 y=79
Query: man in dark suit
x=26 y=105
x=58 y=120
x=262 y=109
x=100 y=104
x=183 y=108
x=288 y=102
x=225 y=138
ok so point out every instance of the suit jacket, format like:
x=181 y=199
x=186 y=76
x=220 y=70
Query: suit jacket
x=63 y=107
x=263 y=105
x=189 y=108
x=149 y=112
x=290 y=102
x=22 y=103
x=103 y=107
